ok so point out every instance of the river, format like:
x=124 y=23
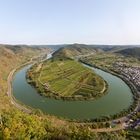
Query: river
x=118 y=98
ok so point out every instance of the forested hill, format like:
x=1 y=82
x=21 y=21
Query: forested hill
x=20 y=48
x=75 y=50
x=133 y=52
x=12 y=56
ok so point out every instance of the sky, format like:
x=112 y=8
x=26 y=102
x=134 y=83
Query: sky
x=70 y=21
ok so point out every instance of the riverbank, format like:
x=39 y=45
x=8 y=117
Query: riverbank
x=61 y=104
x=69 y=80
x=134 y=107
x=97 y=130
x=14 y=101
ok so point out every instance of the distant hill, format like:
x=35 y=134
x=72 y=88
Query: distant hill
x=13 y=55
x=108 y=48
x=54 y=47
x=75 y=50
x=133 y=52
x=114 y=48
x=20 y=48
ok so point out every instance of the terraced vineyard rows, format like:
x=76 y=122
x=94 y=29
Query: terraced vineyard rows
x=66 y=78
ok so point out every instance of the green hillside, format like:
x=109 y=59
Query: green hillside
x=66 y=79
x=133 y=52
x=11 y=57
x=75 y=50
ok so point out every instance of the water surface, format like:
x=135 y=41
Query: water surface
x=118 y=98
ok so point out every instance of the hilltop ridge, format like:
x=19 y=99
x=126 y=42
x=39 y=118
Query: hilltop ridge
x=133 y=52
x=74 y=50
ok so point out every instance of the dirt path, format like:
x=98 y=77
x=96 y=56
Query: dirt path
x=121 y=127
x=39 y=67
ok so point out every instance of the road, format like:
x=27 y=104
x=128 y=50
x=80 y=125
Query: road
x=121 y=127
x=27 y=110
x=9 y=91
x=9 y=88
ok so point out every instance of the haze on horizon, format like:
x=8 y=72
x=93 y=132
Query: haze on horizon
x=70 y=21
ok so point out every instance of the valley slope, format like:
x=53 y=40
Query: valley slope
x=63 y=77
x=14 y=124
x=132 y=52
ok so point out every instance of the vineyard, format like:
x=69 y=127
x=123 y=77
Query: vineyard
x=66 y=79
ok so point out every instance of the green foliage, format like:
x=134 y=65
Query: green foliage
x=17 y=125
x=75 y=50
x=67 y=79
x=133 y=52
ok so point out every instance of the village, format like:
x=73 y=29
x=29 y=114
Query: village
x=131 y=72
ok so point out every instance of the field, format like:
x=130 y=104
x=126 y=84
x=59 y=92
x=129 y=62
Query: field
x=107 y=60
x=67 y=78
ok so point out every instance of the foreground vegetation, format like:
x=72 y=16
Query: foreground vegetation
x=17 y=125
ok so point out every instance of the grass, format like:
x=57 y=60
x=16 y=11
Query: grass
x=107 y=60
x=67 y=78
